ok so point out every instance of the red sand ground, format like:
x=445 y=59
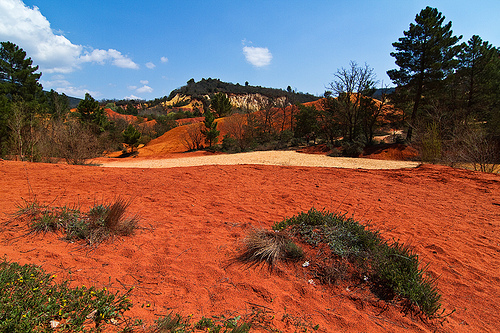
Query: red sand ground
x=194 y=219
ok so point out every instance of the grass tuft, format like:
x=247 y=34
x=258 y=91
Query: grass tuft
x=102 y=221
x=218 y=324
x=269 y=247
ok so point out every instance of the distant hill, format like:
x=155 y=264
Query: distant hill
x=73 y=101
x=379 y=92
x=212 y=86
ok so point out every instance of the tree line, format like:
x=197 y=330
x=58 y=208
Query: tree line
x=446 y=98
x=39 y=126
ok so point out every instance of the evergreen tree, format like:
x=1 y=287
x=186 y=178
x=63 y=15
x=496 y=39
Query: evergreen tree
x=131 y=136
x=18 y=86
x=210 y=131
x=479 y=76
x=58 y=105
x=91 y=113
x=17 y=75
x=221 y=104
x=307 y=125
x=425 y=55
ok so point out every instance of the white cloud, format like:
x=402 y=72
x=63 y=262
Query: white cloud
x=61 y=85
x=257 y=56
x=53 y=52
x=150 y=65
x=132 y=97
x=132 y=87
x=164 y=59
x=145 y=89
x=144 y=81
x=116 y=58
x=77 y=92
x=55 y=83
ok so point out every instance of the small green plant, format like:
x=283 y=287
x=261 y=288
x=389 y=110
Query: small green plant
x=392 y=269
x=264 y=246
x=30 y=301
x=101 y=222
x=172 y=323
x=217 y=324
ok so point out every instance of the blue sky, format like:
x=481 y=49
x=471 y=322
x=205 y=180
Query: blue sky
x=145 y=49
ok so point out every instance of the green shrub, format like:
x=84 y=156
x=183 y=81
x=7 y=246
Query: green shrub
x=30 y=301
x=352 y=149
x=393 y=269
x=230 y=144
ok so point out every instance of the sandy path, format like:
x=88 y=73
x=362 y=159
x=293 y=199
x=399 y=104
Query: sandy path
x=283 y=158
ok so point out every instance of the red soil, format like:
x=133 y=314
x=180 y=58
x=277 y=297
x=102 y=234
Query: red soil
x=391 y=152
x=194 y=219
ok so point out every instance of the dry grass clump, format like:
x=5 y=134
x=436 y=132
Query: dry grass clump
x=269 y=247
x=102 y=221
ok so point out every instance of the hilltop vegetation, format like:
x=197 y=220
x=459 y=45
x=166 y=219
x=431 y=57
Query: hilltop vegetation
x=207 y=87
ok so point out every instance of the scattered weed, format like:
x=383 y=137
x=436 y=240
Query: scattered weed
x=217 y=324
x=102 y=221
x=30 y=301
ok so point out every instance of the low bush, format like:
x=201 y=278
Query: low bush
x=393 y=269
x=352 y=148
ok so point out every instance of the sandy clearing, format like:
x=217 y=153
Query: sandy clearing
x=283 y=158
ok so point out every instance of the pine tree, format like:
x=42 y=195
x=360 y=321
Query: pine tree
x=131 y=136
x=221 y=104
x=479 y=74
x=210 y=131
x=17 y=74
x=425 y=55
x=91 y=113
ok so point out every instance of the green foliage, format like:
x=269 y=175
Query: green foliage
x=91 y=113
x=425 y=55
x=131 y=110
x=352 y=112
x=352 y=148
x=393 y=269
x=217 y=324
x=101 y=222
x=230 y=144
x=431 y=144
x=30 y=301
x=131 y=136
x=23 y=124
x=210 y=130
x=57 y=104
x=211 y=86
x=220 y=104
x=307 y=124
x=18 y=79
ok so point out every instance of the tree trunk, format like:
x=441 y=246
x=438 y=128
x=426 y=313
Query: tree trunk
x=416 y=104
